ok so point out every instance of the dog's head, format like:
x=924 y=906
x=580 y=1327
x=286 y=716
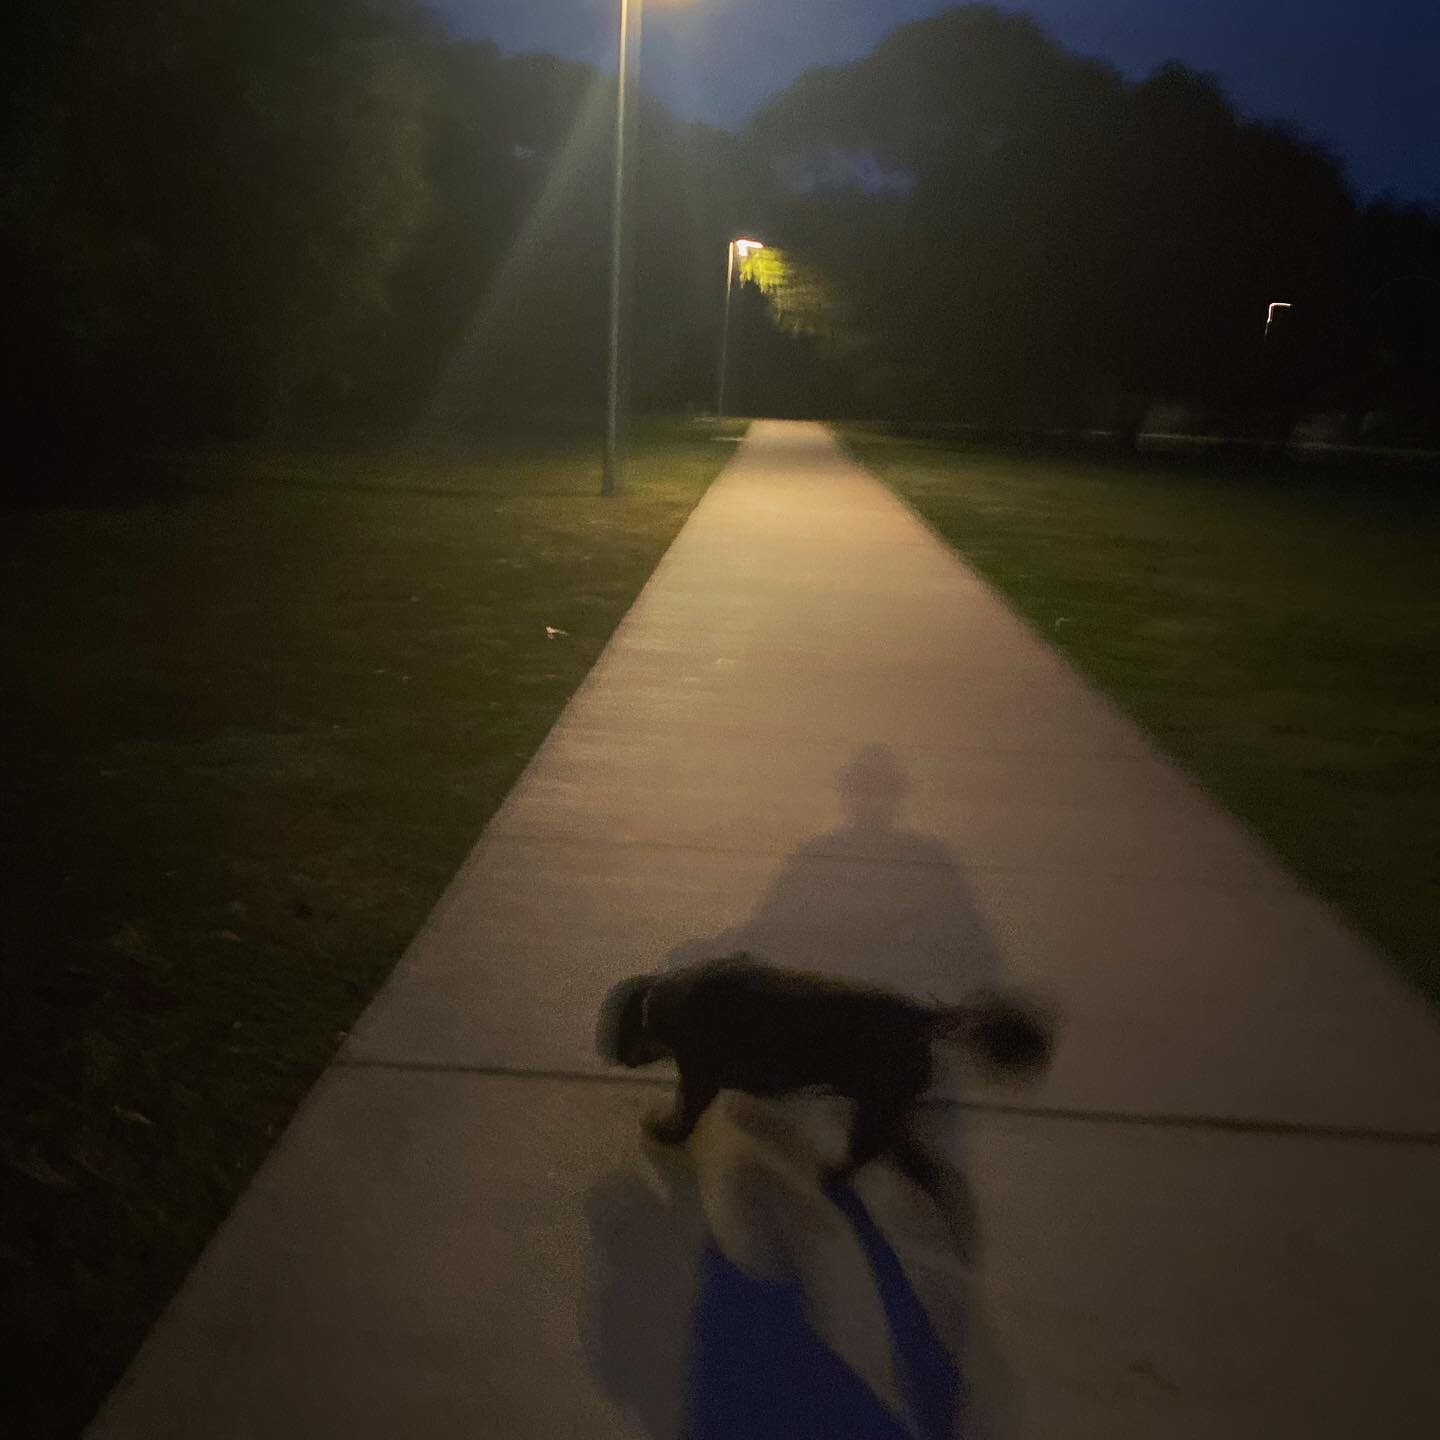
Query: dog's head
x=622 y=1035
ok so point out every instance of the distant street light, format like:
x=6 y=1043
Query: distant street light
x=743 y=250
x=1270 y=314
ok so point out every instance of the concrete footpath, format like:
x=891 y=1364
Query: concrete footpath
x=820 y=736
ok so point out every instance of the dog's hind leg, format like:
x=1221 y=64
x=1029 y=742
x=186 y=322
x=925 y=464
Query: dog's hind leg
x=946 y=1186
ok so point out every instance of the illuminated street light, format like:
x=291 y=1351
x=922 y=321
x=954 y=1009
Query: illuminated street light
x=1270 y=313
x=743 y=249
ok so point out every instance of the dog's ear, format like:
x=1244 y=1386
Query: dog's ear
x=619 y=1027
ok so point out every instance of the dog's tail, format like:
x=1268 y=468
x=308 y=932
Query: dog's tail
x=1005 y=1034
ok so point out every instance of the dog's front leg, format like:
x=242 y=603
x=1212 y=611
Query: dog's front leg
x=696 y=1092
x=877 y=1122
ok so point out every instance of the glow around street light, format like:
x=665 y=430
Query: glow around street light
x=746 y=248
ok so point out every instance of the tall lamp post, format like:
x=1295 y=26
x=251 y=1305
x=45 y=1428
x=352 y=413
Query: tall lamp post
x=740 y=250
x=632 y=15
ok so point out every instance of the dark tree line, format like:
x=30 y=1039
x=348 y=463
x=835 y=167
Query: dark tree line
x=205 y=206
x=237 y=218
x=1016 y=234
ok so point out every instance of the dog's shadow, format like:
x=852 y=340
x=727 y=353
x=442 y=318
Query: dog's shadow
x=730 y=1295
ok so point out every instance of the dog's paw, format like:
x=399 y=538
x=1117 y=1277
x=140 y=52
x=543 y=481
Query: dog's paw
x=664 y=1128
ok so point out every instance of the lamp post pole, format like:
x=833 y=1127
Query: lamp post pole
x=725 y=332
x=744 y=249
x=631 y=20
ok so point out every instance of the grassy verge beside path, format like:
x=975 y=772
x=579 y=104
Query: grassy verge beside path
x=250 y=730
x=1276 y=633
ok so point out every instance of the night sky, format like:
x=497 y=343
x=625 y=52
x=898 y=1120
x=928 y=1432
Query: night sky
x=1363 y=75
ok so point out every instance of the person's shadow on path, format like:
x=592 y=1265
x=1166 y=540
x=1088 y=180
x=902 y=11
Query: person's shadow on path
x=730 y=1296
x=870 y=900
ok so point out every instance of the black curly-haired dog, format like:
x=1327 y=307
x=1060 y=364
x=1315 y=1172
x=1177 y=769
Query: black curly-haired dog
x=736 y=1024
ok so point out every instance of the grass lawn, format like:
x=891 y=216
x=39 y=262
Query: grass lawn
x=250 y=730
x=1276 y=633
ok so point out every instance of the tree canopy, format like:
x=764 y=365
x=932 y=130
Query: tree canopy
x=260 y=217
x=1020 y=229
